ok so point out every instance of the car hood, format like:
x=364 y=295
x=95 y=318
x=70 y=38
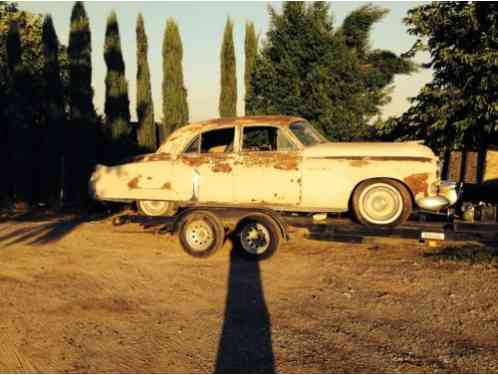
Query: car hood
x=369 y=149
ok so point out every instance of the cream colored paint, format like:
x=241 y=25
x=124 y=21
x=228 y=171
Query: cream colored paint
x=322 y=179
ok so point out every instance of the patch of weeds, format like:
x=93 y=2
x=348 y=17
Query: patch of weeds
x=470 y=254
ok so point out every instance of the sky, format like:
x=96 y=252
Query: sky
x=201 y=26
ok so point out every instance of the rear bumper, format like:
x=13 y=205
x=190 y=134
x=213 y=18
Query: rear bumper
x=448 y=194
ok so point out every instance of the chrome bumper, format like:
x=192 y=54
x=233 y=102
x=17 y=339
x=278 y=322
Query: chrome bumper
x=448 y=194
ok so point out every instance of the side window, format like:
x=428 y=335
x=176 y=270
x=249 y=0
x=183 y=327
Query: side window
x=265 y=138
x=218 y=141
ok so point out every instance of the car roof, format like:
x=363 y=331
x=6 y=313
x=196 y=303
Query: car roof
x=179 y=136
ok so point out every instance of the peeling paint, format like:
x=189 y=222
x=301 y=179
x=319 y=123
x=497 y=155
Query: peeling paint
x=279 y=160
x=167 y=186
x=133 y=184
x=359 y=163
x=418 y=183
x=221 y=167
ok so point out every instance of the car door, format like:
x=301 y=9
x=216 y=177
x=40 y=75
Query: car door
x=204 y=172
x=268 y=168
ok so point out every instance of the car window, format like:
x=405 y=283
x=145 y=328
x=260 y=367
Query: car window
x=306 y=134
x=217 y=141
x=265 y=138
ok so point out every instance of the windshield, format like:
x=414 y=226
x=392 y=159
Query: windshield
x=306 y=134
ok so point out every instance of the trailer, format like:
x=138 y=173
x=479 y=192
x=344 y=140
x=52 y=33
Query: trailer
x=258 y=232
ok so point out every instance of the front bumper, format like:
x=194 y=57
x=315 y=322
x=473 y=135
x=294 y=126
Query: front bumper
x=447 y=196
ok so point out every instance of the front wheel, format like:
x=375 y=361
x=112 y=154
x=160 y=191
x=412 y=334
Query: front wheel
x=382 y=202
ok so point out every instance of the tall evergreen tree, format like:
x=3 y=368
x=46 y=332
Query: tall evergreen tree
x=175 y=107
x=80 y=152
x=117 y=104
x=251 y=49
x=228 y=92
x=55 y=116
x=146 y=132
x=20 y=129
x=331 y=77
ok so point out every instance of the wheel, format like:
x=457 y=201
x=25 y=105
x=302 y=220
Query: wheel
x=382 y=202
x=201 y=233
x=258 y=237
x=156 y=208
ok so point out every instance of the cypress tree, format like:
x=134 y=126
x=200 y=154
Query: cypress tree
x=146 y=132
x=80 y=152
x=55 y=115
x=175 y=107
x=117 y=104
x=228 y=93
x=19 y=125
x=251 y=50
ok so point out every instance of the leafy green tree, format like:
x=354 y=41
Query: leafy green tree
x=117 y=104
x=81 y=142
x=53 y=134
x=459 y=108
x=228 y=92
x=251 y=50
x=330 y=77
x=175 y=107
x=146 y=132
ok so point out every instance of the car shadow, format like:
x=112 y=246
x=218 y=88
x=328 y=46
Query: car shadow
x=245 y=344
x=467 y=253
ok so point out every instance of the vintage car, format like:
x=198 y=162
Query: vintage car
x=280 y=163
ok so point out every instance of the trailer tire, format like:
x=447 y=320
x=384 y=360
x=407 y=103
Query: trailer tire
x=257 y=237
x=201 y=233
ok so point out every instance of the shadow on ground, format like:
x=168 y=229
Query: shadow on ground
x=50 y=226
x=245 y=344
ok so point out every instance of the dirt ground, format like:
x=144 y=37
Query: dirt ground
x=89 y=297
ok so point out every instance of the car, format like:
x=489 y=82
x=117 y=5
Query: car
x=280 y=163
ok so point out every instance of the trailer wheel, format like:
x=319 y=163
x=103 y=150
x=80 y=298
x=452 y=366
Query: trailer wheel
x=382 y=202
x=201 y=233
x=257 y=237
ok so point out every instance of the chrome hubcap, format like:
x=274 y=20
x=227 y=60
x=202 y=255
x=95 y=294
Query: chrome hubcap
x=255 y=238
x=199 y=235
x=381 y=203
x=152 y=208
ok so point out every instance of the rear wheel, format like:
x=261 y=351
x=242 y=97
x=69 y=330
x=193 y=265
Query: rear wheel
x=258 y=237
x=382 y=202
x=201 y=233
x=156 y=208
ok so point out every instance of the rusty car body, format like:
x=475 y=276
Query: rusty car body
x=280 y=163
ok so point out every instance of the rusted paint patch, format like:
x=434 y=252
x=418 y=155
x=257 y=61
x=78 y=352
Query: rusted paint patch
x=195 y=161
x=279 y=160
x=221 y=167
x=133 y=184
x=359 y=163
x=167 y=186
x=158 y=157
x=249 y=120
x=418 y=183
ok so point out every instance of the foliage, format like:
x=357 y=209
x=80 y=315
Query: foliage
x=330 y=77
x=459 y=108
x=53 y=134
x=251 y=50
x=146 y=131
x=80 y=155
x=228 y=92
x=117 y=104
x=175 y=107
